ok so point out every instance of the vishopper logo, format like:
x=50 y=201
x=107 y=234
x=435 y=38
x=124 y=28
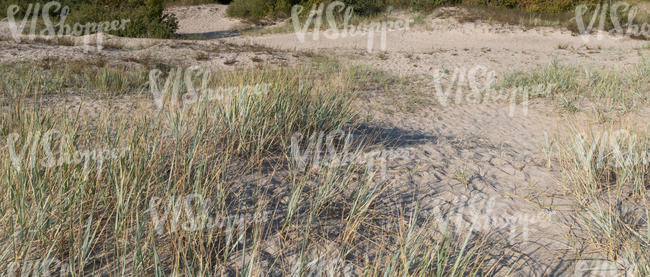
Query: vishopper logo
x=316 y=17
x=314 y=265
x=612 y=150
x=173 y=86
x=478 y=212
x=333 y=158
x=24 y=159
x=604 y=268
x=600 y=15
x=60 y=29
x=192 y=213
x=40 y=267
x=476 y=85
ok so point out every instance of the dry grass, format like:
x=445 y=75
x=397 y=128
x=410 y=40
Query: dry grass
x=606 y=174
x=129 y=214
x=609 y=94
x=502 y=15
x=606 y=166
x=57 y=77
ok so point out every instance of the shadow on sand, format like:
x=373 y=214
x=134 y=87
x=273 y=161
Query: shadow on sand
x=219 y=34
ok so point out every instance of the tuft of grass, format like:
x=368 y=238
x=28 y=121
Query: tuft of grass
x=53 y=77
x=563 y=46
x=230 y=61
x=201 y=56
x=606 y=174
x=623 y=89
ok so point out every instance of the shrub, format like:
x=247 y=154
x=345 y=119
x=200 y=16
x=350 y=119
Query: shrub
x=254 y=9
x=545 y=6
x=146 y=18
x=608 y=182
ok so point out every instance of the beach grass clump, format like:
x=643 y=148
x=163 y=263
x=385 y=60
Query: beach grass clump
x=606 y=174
x=206 y=187
x=621 y=90
x=52 y=77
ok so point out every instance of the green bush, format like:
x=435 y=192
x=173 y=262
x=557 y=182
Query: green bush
x=254 y=9
x=146 y=18
x=367 y=7
x=545 y=6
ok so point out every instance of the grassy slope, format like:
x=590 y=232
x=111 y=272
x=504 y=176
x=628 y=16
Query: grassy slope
x=99 y=216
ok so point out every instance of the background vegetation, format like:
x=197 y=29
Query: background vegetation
x=146 y=17
x=105 y=224
x=259 y=8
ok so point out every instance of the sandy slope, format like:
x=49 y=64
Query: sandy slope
x=204 y=19
x=469 y=156
x=443 y=42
